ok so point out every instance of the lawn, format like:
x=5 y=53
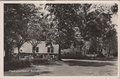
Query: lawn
x=69 y=67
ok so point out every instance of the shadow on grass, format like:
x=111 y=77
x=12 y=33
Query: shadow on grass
x=47 y=63
x=25 y=73
x=20 y=73
x=45 y=72
x=83 y=63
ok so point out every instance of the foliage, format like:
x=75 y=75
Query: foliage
x=82 y=23
x=64 y=24
x=16 y=19
x=16 y=64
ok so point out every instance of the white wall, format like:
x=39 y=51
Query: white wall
x=56 y=48
x=26 y=47
x=42 y=47
x=15 y=50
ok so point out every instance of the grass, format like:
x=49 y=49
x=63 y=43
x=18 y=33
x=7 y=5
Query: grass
x=71 y=67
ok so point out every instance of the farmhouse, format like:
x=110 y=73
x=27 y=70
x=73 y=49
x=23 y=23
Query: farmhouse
x=41 y=51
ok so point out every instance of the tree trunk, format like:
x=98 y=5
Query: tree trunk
x=59 y=54
x=33 y=50
x=19 y=52
x=7 y=56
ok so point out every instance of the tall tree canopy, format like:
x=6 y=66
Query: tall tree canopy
x=16 y=18
x=64 y=24
x=84 y=22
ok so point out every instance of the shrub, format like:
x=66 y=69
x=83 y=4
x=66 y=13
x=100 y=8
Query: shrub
x=40 y=61
x=16 y=64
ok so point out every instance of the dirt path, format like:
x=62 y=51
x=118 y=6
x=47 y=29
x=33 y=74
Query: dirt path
x=70 y=67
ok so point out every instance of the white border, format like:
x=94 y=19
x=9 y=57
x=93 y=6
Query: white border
x=54 y=77
x=64 y=2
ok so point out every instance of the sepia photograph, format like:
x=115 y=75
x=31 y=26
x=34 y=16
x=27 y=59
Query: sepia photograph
x=60 y=39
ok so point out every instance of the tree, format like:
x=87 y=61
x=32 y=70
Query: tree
x=93 y=22
x=65 y=17
x=37 y=31
x=96 y=23
x=16 y=19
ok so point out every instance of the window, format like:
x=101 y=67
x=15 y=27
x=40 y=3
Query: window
x=52 y=49
x=37 y=49
x=48 y=50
